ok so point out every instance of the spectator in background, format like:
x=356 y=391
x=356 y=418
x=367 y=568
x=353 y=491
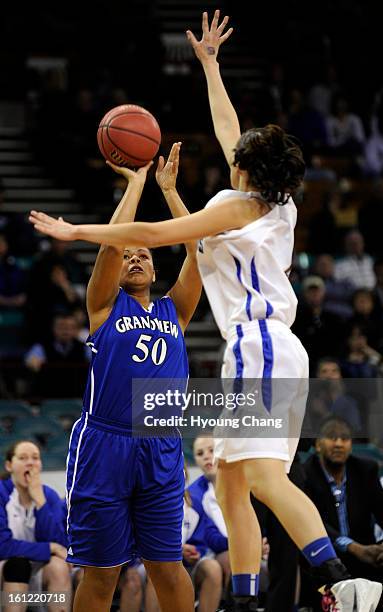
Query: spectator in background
x=330 y=398
x=324 y=223
x=356 y=266
x=321 y=93
x=202 y=491
x=32 y=536
x=20 y=236
x=12 y=279
x=201 y=537
x=345 y=130
x=306 y=124
x=348 y=494
x=373 y=163
x=338 y=292
x=50 y=292
x=361 y=361
x=366 y=317
x=320 y=331
x=58 y=365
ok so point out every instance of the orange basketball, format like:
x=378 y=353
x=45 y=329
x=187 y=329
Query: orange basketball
x=128 y=135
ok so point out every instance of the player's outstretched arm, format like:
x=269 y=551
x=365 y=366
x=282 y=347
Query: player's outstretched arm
x=104 y=282
x=186 y=292
x=225 y=120
x=233 y=213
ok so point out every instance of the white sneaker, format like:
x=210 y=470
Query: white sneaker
x=368 y=595
x=344 y=596
x=354 y=595
x=340 y=597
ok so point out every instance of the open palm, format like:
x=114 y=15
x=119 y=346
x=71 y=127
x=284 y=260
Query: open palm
x=166 y=174
x=212 y=37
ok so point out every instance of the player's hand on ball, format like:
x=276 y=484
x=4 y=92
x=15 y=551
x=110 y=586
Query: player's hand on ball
x=212 y=38
x=132 y=175
x=166 y=174
x=57 y=228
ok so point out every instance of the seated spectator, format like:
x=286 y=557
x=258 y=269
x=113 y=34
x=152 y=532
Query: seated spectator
x=32 y=536
x=338 y=292
x=50 y=293
x=361 y=360
x=367 y=318
x=202 y=491
x=201 y=539
x=59 y=365
x=12 y=279
x=330 y=398
x=319 y=330
x=348 y=494
x=345 y=130
x=324 y=223
x=21 y=237
x=306 y=124
x=356 y=266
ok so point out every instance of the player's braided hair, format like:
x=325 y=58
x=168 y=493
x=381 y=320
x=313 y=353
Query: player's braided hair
x=273 y=160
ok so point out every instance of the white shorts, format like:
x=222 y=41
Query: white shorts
x=268 y=357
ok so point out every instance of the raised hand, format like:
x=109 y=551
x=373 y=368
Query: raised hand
x=132 y=175
x=166 y=174
x=35 y=487
x=57 y=228
x=212 y=37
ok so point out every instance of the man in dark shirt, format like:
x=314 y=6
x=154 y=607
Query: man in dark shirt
x=348 y=494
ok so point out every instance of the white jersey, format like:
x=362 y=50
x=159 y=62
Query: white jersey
x=244 y=271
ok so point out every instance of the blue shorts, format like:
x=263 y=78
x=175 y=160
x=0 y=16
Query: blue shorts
x=124 y=495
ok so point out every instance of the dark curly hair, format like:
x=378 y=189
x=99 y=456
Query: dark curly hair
x=274 y=162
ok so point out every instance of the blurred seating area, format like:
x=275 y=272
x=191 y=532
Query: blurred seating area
x=49 y=424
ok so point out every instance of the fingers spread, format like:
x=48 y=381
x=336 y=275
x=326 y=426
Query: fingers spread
x=214 y=22
x=223 y=25
x=205 y=23
x=226 y=35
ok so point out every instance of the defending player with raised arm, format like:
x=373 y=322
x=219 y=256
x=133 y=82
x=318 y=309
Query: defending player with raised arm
x=248 y=243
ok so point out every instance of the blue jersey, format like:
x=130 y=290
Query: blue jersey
x=132 y=343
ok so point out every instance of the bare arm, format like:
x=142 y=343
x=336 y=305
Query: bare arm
x=104 y=282
x=233 y=213
x=186 y=291
x=225 y=120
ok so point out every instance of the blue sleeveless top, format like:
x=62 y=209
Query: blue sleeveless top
x=132 y=343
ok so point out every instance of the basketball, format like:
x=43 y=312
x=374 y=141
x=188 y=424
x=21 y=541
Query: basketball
x=128 y=135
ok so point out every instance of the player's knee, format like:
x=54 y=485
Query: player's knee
x=211 y=571
x=268 y=488
x=166 y=573
x=102 y=580
x=17 y=569
x=57 y=572
x=131 y=582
